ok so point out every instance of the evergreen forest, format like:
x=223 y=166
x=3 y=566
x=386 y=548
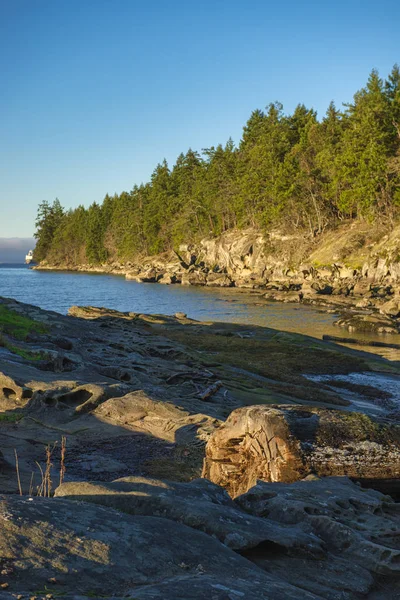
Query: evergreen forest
x=288 y=172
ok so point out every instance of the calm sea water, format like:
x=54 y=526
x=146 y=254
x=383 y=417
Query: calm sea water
x=59 y=290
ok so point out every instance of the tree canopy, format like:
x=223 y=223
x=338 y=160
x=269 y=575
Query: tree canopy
x=288 y=171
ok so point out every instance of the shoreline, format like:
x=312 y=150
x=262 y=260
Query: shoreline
x=364 y=306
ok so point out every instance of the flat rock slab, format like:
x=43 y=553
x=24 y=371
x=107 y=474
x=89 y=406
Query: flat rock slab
x=95 y=551
x=199 y=504
x=314 y=539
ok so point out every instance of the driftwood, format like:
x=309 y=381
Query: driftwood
x=210 y=391
x=343 y=340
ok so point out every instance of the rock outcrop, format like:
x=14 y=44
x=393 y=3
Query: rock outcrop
x=351 y=268
x=138 y=399
x=142 y=394
x=287 y=443
x=199 y=504
x=358 y=531
x=315 y=539
x=92 y=551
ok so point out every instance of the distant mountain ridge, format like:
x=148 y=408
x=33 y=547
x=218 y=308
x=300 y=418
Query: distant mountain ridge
x=13 y=250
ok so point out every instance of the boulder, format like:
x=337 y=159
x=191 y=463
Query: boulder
x=219 y=280
x=391 y=308
x=343 y=272
x=193 y=278
x=322 y=287
x=168 y=279
x=132 y=275
x=149 y=276
x=287 y=443
x=308 y=291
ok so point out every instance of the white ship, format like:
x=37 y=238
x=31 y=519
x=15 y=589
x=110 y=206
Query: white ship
x=29 y=257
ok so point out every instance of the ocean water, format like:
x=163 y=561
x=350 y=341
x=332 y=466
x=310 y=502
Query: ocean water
x=59 y=290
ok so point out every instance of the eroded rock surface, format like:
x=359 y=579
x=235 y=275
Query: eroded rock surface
x=97 y=552
x=137 y=398
x=141 y=394
x=314 y=539
x=199 y=504
x=358 y=530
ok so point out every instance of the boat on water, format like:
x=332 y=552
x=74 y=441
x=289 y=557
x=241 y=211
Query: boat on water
x=29 y=257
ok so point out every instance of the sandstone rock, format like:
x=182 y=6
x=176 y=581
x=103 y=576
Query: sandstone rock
x=364 y=303
x=308 y=291
x=358 y=529
x=391 y=308
x=161 y=419
x=194 y=278
x=132 y=275
x=344 y=272
x=327 y=536
x=93 y=551
x=361 y=287
x=168 y=279
x=218 y=280
x=324 y=273
x=367 y=323
x=11 y=393
x=394 y=268
x=288 y=443
x=235 y=250
x=199 y=504
x=149 y=276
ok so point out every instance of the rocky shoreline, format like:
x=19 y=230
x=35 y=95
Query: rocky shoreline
x=237 y=461
x=364 y=287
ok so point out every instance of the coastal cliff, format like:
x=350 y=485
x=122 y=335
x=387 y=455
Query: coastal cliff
x=355 y=269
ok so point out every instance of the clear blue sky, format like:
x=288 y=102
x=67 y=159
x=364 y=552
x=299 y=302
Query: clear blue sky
x=94 y=93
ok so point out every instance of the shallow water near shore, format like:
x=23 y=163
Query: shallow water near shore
x=58 y=291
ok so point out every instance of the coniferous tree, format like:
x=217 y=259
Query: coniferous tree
x=288 y=171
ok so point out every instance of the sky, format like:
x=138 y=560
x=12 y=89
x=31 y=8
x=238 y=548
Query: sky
x=94 y=93
x=14 y=250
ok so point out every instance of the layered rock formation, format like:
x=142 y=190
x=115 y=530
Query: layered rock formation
x=289 y=443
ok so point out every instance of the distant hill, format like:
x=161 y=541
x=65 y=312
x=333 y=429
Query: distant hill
x=13 y=250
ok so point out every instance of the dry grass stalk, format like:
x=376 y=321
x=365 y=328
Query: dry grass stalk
x=47 y=474
x=31 y=484
x=45 y=487
x=17 y=469
x=62 y=459
x=40 y=488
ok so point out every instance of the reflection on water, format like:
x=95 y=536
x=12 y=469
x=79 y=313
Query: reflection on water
x=58 y=291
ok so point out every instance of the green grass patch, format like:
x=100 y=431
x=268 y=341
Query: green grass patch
x=23 y=352
x=10 y=417
x=281 y=357
x=18 y=326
